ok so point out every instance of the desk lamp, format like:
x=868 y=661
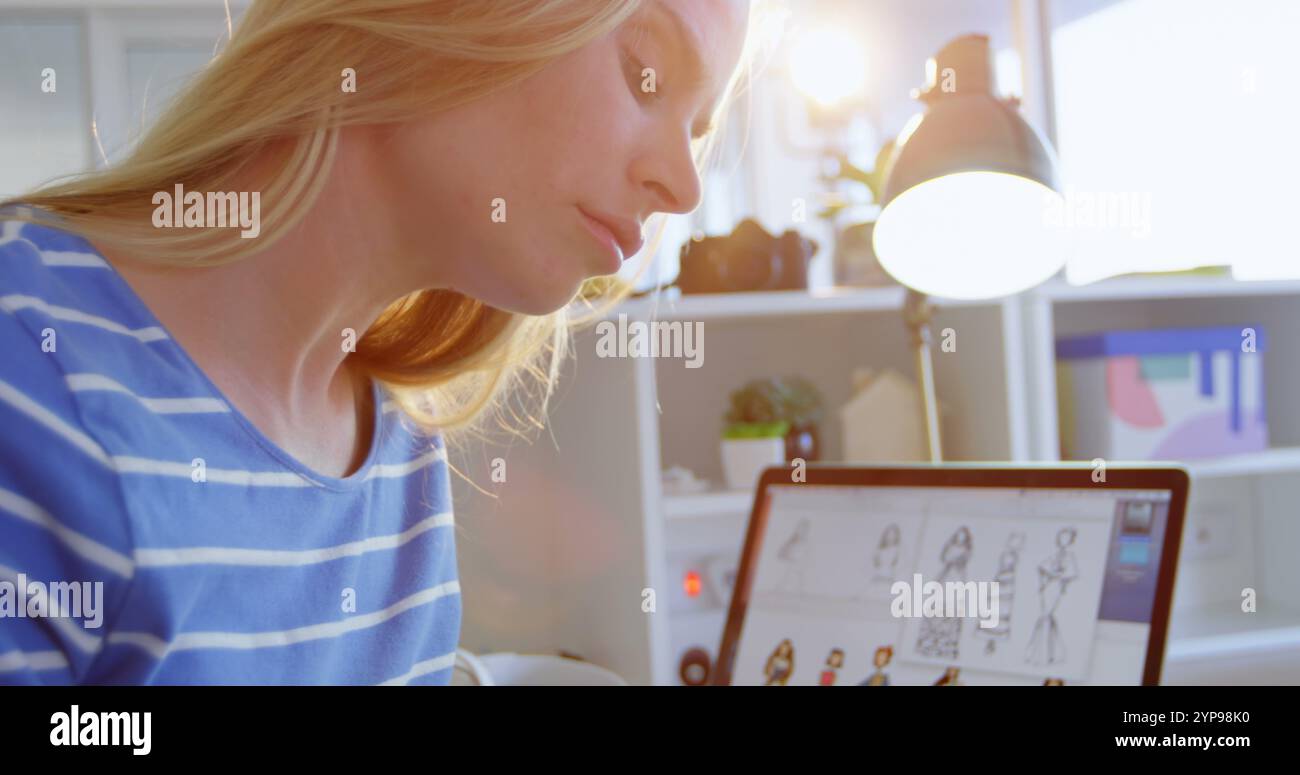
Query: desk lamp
x=964 y=207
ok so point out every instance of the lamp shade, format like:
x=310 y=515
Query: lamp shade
x=968 y=189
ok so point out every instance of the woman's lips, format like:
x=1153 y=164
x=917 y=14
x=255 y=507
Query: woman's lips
x=621 y=235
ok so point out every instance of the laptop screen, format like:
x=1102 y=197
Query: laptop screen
x=877 y=586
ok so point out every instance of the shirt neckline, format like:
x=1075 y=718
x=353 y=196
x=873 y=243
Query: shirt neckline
x=353 y=481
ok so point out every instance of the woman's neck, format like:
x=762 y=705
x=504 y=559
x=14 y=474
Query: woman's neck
x=273 y=330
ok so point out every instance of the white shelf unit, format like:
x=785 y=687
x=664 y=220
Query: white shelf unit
x=1241 y=530
x=559 y=557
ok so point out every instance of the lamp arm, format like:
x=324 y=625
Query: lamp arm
x=918 y=311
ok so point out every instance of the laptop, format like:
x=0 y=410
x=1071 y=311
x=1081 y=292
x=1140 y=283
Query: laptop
x=955 y=574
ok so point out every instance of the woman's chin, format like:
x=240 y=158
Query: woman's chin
x=536 y=304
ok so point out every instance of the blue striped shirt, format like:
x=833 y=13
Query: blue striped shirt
x=220 y=558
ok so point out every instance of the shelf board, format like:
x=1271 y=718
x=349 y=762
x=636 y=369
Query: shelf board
x=673 y=305
x=1273 y=461
x=1163 y=287
x=721 y=306
x=708 y=504
x=1223 y=629
x=1282 y=460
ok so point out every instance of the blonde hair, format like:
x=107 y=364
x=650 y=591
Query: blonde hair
x=444 y=357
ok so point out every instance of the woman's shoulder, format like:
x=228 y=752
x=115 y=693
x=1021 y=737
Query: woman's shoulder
x=25 y=229
x=43 y=312
x=62 y=302
x=27 y=290
x=43 y=266
x=38 y=257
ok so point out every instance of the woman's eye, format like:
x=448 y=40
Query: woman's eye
x=642 y=80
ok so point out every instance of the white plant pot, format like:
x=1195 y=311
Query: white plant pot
x=743 y=460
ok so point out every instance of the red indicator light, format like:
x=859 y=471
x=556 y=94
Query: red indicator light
x=691 y=583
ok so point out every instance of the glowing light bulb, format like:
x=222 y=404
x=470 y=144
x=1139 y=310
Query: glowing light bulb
x=829 y=66
x=971 y=235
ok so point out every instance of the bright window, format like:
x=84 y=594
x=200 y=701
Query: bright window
x=1177 y=124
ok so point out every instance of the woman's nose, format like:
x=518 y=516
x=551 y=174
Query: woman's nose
x=671 y=178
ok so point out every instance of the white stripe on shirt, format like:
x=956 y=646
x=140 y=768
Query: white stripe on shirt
x=204 y=555
x=187 y=641
x=9 y=233
x=423 y=668
x=91 y=382
x=19 y=400
x=17 y=301
x=397 y=470
x=11 y=661
x=88 y=548
x=126 y=464
x=72 y=258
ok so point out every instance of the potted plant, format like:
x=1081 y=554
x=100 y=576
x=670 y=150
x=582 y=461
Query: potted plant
x=855 y=260
x=803 y=409
x=768 y=422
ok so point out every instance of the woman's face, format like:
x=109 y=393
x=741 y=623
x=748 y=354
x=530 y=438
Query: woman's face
x=499 y=195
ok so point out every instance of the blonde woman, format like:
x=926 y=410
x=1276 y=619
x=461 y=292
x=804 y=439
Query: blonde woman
x=232 y=361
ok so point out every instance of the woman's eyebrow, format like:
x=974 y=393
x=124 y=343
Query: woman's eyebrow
x=687 y=46
x=684 y=41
